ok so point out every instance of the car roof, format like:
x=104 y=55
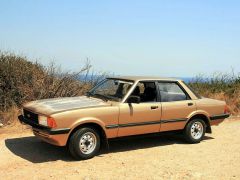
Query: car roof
x=142 y=78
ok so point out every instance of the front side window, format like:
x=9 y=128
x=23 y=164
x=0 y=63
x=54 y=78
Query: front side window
x=146 y=91
x=111 y=89
x=170 y=91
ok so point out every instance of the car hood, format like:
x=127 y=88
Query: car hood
x=55 y=105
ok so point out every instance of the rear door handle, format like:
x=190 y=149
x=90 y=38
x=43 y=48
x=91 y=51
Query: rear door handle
x=154 y=107
x=190 y=104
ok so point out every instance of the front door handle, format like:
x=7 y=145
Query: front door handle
x=154 y=107
x=190 y=104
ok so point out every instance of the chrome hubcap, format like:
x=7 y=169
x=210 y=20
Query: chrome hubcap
x=87 y=143
x=197 y=130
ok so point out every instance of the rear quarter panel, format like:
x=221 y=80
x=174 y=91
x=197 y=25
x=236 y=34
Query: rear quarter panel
x=211 y=107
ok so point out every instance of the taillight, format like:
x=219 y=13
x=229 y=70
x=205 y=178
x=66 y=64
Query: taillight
x=51 y=122
x=226 y=110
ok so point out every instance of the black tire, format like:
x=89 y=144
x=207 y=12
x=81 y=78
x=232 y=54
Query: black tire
x=74 y=143
x=192 y=131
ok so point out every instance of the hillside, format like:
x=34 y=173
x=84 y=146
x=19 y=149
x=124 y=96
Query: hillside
x=23 y=80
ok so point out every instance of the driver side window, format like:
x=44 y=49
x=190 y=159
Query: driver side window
x=146 y=91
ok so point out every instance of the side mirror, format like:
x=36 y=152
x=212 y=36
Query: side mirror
x=133 y=99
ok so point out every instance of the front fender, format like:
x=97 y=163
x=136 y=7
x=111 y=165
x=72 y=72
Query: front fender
x=88 y=120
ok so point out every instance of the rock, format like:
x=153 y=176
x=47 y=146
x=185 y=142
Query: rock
x=1 y=125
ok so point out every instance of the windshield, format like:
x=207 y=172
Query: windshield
x=111 y=89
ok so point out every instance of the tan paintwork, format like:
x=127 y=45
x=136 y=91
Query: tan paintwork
x=58 y=140
x=175 y=110
x=75 y=111
x=137 y=113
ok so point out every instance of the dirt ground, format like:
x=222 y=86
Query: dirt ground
x=164 y=156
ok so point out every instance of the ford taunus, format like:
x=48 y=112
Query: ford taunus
x=123 y=106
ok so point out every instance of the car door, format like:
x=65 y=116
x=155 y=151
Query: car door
x=143 y=117
x=176 y=106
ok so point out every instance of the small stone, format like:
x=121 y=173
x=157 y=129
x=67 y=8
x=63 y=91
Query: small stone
x=1 y=125
x=77 y=171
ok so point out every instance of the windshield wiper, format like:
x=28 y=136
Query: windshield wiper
x=89 y=94
x=113 y=98
x=105 y=98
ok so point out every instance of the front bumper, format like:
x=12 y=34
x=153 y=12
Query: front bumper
x=53 y=136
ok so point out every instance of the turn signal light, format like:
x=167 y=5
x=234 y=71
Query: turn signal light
x=51 y=122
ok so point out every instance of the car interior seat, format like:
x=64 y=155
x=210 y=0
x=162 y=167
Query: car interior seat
x=136 y=91
x=149 y=94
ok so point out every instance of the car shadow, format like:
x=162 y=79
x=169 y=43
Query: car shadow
x=148 y=141
x=37 y=151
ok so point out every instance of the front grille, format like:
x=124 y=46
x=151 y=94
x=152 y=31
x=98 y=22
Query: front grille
x=30 y=115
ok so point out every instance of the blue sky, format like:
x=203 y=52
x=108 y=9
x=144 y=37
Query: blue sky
x=127 y=37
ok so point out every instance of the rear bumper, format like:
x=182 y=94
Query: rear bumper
x=53 y=136
x=217 y=119
x=219 y=116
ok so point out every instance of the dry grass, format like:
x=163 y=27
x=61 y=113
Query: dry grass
x=22 y=80
x=9 y=117
x=220 y=86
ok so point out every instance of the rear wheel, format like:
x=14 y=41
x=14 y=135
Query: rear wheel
x=84 y=143
x=195 y=131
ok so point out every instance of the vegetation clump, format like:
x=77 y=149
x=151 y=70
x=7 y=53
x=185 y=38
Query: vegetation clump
x=220 y=86
x=22 y=80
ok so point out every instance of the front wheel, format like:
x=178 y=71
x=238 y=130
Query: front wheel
x=84 y=143
x=195 y=131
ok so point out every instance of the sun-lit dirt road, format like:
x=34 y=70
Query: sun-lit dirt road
x=164 y=156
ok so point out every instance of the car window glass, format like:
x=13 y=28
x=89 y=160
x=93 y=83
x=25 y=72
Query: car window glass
x=125 y=89
x=111 y=89
x=141 y=87
x=146 y=91
x=171 y=92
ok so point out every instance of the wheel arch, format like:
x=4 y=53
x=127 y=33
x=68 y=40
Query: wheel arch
x=94 y=125
x=204 y=117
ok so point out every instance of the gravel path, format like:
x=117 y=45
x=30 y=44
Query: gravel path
x=164 y=156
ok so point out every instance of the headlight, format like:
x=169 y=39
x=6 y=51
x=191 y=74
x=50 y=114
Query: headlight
x=43 y=120
x=47 y=121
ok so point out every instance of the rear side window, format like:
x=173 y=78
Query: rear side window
x=193 y=91
x=170 y=91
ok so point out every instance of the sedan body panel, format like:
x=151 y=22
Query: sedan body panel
x=123 y=118
x=139 y=118
x=175 y=114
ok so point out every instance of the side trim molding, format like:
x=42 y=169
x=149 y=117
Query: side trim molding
x=219 y=116
x=112 y=126
x=58 y=131
x=173 y=120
